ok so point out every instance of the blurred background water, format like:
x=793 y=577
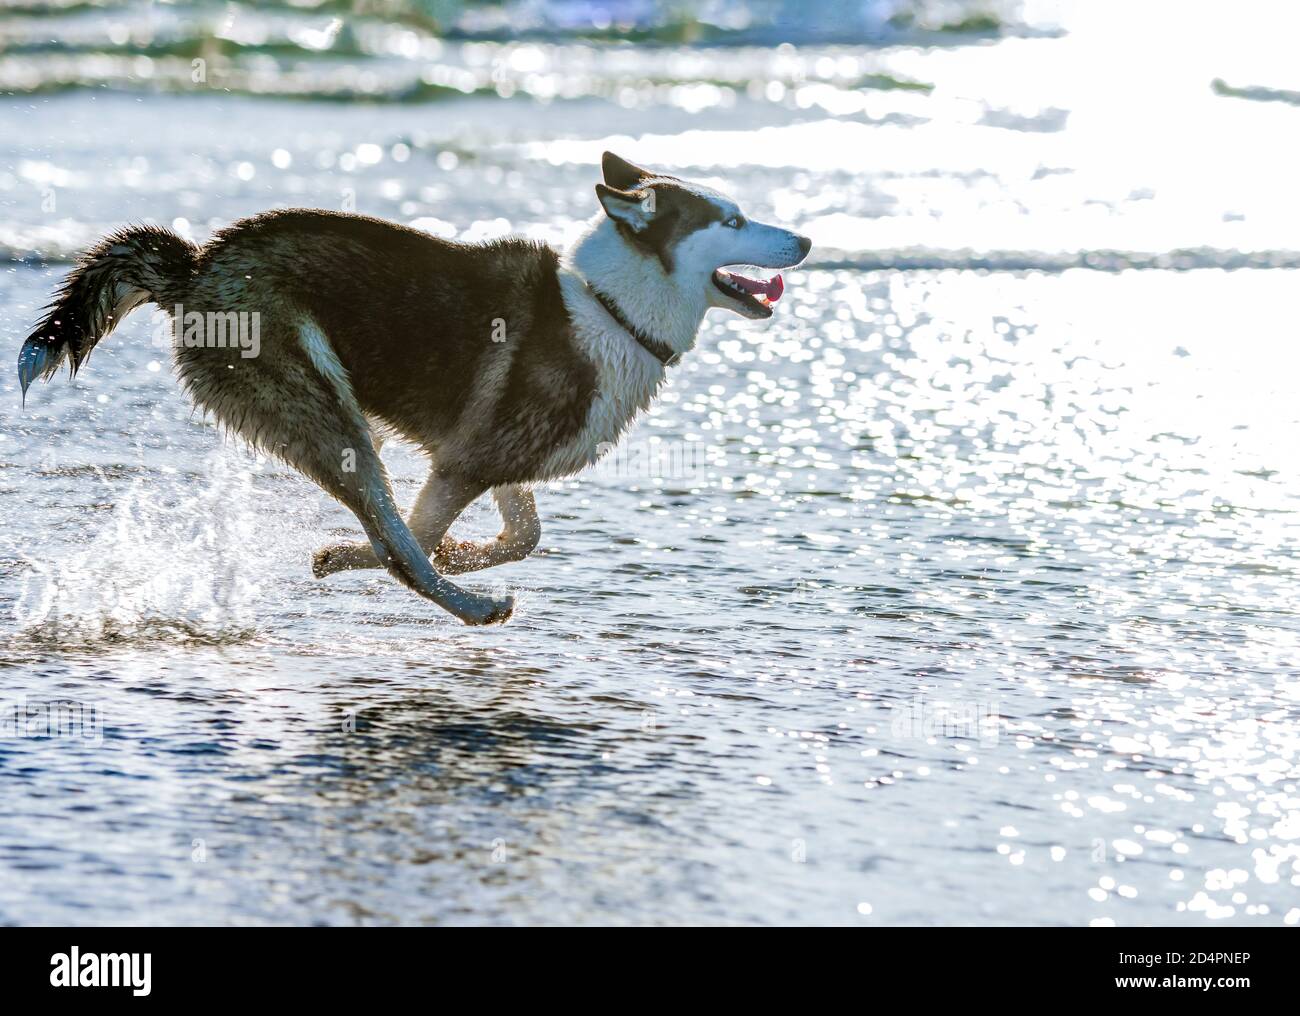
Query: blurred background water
x=960 y=592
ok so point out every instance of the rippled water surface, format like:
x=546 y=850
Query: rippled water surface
x=960 y=592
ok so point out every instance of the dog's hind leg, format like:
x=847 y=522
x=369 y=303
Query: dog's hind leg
x=303 y=411
x=398 y=550
x=518 y=539
x=440 y=501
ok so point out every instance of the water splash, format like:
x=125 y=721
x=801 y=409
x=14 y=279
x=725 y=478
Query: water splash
x=167 y=565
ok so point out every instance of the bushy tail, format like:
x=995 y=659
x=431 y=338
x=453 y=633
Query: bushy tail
x=136 y=265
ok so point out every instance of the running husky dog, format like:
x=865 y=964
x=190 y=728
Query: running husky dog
x=505 y=363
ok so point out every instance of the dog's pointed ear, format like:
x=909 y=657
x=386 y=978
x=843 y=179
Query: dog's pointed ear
x=620 y=173
x=634 y=209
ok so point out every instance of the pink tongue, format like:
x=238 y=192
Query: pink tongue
x=772 y=288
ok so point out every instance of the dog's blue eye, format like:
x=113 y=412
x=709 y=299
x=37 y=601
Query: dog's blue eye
x=735 y=222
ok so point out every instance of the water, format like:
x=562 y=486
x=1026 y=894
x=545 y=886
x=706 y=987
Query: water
x=950 y=595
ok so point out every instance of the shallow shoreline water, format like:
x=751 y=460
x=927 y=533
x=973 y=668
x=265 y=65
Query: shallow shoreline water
x=926 y=677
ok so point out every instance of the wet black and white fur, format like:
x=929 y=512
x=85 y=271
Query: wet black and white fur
x=506 y=363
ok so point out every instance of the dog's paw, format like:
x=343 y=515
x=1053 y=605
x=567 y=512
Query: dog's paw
x=494 y=611
x=504 y=611
x=327 y=561
x=453 y=557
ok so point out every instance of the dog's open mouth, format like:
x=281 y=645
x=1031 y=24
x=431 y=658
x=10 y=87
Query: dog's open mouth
x=756 y=295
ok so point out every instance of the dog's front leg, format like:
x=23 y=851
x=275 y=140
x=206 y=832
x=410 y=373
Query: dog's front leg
x=440 y=500
x=518 y=538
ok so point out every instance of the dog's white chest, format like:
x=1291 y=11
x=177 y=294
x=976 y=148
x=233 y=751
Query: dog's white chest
x=627 y=378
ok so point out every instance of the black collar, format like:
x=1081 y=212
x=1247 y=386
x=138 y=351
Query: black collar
x=661 y=351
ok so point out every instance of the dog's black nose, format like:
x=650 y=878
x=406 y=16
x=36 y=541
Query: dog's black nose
x=805 y=245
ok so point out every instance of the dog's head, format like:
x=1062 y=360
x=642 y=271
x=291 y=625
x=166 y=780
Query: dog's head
x=696 y=235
